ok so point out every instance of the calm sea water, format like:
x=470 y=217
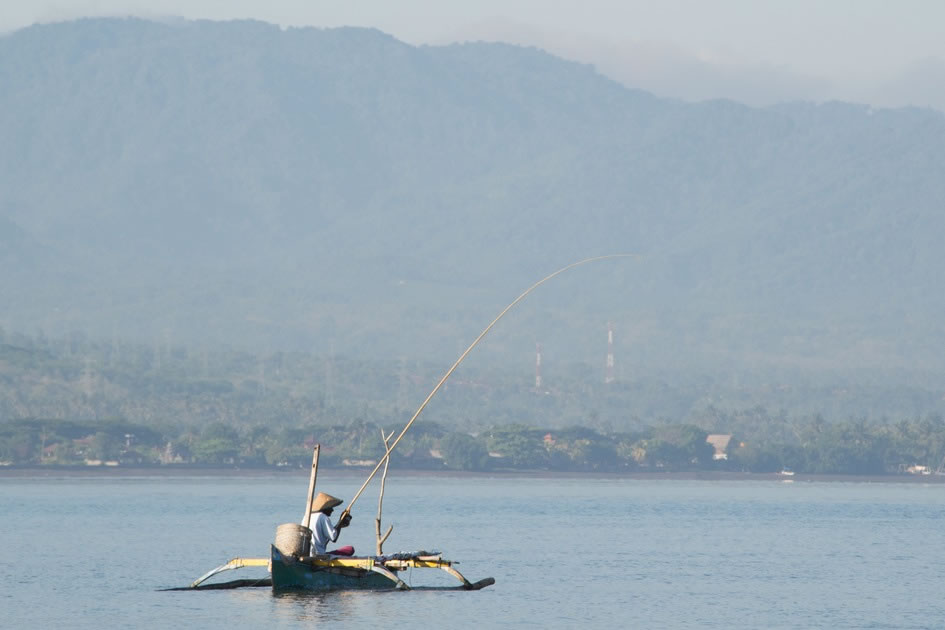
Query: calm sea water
x=565 y=552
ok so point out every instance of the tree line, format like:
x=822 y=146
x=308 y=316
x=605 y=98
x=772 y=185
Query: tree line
x=71 y=400
x=852 y=447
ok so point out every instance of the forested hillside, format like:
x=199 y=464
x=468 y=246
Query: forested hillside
x=78 y=401
x=340 y=192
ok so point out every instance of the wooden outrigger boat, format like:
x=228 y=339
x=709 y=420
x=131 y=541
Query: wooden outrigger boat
x=292 y=567
x=327 y=572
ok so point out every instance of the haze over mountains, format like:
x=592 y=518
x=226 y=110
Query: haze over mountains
x=339 y=190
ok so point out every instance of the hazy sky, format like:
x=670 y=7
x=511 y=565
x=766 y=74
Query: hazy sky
x=756 y=51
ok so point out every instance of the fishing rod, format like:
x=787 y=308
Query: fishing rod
x=347 y=510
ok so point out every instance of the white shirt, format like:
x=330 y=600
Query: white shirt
x=322 y=532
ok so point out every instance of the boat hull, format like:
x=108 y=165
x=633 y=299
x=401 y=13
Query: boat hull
x=292 y=574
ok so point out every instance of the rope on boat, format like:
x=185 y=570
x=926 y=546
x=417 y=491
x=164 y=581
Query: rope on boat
x=449 y=372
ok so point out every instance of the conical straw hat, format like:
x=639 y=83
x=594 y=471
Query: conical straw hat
x=323 y=501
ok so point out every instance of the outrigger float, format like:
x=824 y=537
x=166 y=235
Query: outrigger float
x=290 y=564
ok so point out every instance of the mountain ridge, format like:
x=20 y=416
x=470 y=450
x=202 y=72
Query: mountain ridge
x=338 y=188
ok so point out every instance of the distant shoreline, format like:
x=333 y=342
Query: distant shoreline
x=52 y=472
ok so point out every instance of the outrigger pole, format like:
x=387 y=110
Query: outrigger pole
x=449 y=372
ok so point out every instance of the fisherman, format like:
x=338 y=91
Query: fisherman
x=322 y=530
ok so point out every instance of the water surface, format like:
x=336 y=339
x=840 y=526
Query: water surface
x=92 y=552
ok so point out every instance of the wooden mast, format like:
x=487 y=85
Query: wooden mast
x=307 y=518
x=380 y=500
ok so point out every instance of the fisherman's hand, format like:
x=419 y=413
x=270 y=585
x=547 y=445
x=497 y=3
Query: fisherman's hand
x=345 y=520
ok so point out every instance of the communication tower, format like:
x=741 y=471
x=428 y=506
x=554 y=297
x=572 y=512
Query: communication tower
x=537 y=366
x=609 y=372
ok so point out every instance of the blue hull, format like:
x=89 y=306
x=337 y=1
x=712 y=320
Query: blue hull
x=290 y=573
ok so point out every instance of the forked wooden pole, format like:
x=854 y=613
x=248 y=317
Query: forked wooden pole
x=307 y=519
x=380 y=499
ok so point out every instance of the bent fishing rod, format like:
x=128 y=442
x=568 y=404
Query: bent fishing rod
x=347 y=510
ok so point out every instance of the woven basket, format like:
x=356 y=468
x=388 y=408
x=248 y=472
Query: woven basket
x=293 y=539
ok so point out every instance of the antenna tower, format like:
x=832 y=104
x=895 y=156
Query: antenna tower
x=609 y=373
x=537 y=366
